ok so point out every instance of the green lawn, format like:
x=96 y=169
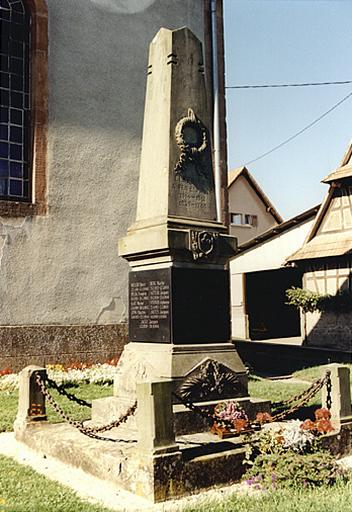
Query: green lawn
x=24 y=490
x=276 y=390
x=316 y=371
x=333 y=499
x=9 y=399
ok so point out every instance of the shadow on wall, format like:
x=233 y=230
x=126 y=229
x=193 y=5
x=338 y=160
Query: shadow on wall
x=331 y=328
x=99 y=54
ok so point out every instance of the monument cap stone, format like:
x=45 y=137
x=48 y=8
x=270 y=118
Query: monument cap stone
x=176 y=206
x=176 y=149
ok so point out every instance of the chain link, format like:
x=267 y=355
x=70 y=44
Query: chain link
x=298 y=400
x=87 y=431
x=62 y=391
x=202 y=412
x=303 y=398
x=328 y=389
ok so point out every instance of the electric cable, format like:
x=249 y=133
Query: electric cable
x=283 y=143
x=267 y=86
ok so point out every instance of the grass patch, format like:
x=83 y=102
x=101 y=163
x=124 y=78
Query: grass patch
x=9 y=401
x=8 y=410
x=24 y=490
x=315 y=372
x=276 y=391
x=327 y=499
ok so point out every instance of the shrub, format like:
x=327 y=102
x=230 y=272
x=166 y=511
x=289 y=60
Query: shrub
x=309 y=301
x=290 y=455
x=291 y=469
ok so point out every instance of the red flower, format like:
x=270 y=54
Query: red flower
x=322 y=414
x=308 y=425
x=5 y=371
x=324 y=426
x=240 y=424
x=263 y=417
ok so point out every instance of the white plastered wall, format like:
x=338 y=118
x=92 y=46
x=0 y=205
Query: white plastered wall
x=269 y=255
x=243 y=199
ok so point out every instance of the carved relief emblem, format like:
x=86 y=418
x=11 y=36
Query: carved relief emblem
x=202 y=243
x=192 y=139
x=210 y=378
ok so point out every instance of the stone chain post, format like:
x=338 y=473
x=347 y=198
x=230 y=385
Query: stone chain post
x=155 y=418
x=341 y=409
x=31 y=403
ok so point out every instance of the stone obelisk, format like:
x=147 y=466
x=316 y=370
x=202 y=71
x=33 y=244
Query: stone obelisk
x=179 y=295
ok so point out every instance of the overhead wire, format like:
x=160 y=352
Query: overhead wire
x=286 y=141
x=305 y=84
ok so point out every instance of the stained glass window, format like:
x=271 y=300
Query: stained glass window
x=14 y=101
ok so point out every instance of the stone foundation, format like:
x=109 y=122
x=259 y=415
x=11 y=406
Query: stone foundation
x=65 y=344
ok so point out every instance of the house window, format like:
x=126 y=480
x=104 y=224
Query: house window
x=243 y=219
x=236 y=219
x=15 y=101
x=24 y=107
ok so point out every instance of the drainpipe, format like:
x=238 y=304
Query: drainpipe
x=216 y=118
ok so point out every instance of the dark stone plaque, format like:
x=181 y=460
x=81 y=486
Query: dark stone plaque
x=149 y=305
x=179 y=305
x=200 y=306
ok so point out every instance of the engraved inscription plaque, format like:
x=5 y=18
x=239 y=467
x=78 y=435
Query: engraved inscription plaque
x=149 y=303
x=179 y=305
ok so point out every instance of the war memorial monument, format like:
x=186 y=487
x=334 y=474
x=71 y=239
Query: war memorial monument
x=180 y=356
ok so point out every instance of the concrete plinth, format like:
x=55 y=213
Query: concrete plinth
x=154 y=361
x=202 y=461
x=150 y=361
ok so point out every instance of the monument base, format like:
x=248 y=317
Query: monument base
x=202 y=462
x=106 y=410
x=155 y=361
x=180 y=364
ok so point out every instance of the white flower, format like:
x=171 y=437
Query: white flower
x=296 y=438
x=96 y=374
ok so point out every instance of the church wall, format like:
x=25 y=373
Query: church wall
x=62 y=268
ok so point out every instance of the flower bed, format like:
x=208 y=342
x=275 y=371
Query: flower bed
x=74 y=374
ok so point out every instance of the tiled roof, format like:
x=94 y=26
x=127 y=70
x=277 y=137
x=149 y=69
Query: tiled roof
x=342 y=172
x=323 y=246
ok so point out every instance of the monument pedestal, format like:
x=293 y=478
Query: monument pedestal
x=217 y=362
x=179 y=289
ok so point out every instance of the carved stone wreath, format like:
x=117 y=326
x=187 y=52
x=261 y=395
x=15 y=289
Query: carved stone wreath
x=190 y=151
x=210 y=378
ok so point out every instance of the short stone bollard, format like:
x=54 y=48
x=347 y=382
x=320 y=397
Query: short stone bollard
x=31 y=403
x=340 y=394
x=155 y=418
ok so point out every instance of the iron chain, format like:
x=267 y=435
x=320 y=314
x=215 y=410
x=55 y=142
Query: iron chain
x=62 y=391
x=303 y=398
x=298 y=400
x=88 y=431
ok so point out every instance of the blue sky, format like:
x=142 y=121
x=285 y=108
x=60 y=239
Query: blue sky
x=285 y=41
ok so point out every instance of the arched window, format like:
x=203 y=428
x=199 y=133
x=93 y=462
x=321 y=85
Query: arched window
x=23 y=99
